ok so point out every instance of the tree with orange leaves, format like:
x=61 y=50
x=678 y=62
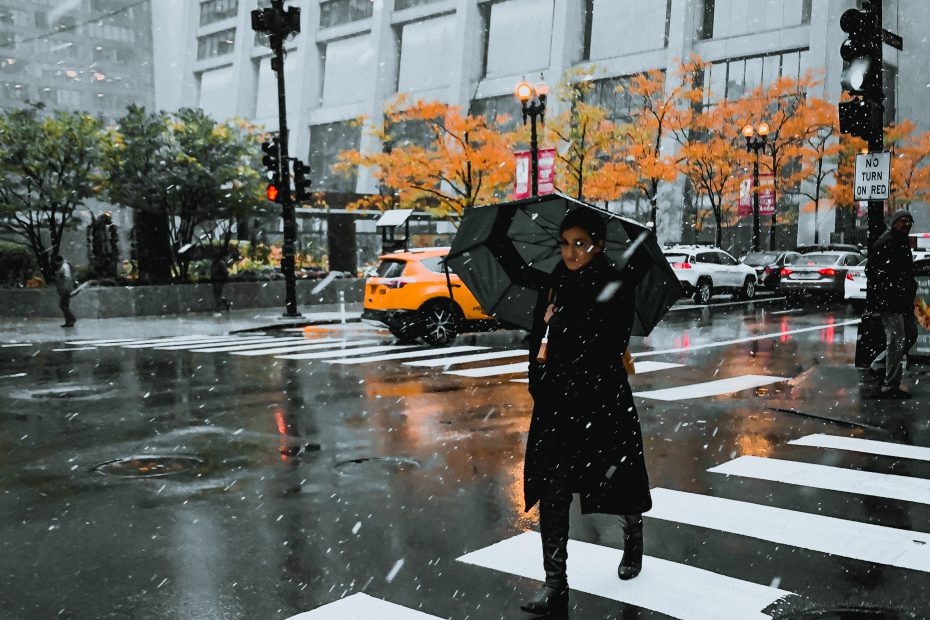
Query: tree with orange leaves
x=910 y=173
x=588 y=136
x=464 y=160
x=656 y=111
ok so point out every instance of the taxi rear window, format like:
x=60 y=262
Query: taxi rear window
x=391 y=268
x=434 y=264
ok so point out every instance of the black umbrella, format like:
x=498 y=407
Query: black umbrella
x=504 y=254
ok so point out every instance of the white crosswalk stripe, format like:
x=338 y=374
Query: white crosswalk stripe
x=711 y=388
x=227 y=348
x=328 y=343
x=199 y=345
x=890 y=486
x=363 y=607
x=677 y=590
x=322 y=355
x=463 y=359
x=125 y=341
x=840 y=537
x=867 y=446
x=406 y=355
x=161 y=342
x=491 y=371
x=641 y=369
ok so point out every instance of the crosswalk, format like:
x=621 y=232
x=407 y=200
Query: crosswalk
x=464 y=361
x=678 y=589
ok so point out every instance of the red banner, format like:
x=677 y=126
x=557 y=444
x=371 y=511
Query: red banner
x=766 y=196
x=545 y=177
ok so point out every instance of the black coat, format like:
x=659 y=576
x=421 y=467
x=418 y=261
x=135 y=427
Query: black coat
x=890 y=274
x=584 y=420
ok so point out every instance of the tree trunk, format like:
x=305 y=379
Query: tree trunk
x=153 y=249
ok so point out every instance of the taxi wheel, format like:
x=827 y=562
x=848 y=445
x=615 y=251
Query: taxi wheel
x=440 y=321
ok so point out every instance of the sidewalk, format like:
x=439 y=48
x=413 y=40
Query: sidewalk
x=45 y=329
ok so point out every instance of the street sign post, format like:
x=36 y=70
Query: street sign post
x=873 y=176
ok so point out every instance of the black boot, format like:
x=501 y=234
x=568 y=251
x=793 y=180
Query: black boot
x=552 y=599
x=632 y=561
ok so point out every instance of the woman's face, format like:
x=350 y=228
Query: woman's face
x=578 y=249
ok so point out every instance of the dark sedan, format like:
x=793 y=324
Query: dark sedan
x=818 y=273
x=768 y=266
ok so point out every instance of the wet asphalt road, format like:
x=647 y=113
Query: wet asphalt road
x=312 y=481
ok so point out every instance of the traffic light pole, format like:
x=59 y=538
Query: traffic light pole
x=876 y=217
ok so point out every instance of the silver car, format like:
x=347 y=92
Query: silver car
x=818 y=273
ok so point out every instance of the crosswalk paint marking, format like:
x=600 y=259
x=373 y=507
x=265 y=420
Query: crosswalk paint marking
x=677 y=590
x=196 y=345
x=841 y=537
x=344 y=353
x=15 y=344
x=491 y=371
x=123 y=341
x=711 y=388
x=868 y=446
x=161 y=342
x=363 y=607
x=226 y=348
x=75 y=349
x=641 y=369
x=333 y=344
x=890 y=486
x=108 y=341
x=462 y=359
x=406 y=355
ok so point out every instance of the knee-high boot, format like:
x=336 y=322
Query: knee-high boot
x=552 y=599
x=632 y=562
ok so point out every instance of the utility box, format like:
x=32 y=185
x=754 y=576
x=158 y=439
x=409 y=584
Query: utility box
x=922 y=308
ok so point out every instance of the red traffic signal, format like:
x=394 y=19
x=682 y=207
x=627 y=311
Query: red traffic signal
x=272 y=192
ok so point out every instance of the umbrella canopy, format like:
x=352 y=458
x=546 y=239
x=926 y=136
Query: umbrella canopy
x=505 y=254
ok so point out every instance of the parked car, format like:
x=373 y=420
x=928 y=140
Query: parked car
x=705 y=271
x=410 y=296
x=768 y=266
x=818 y=273
x=830 y=247
x=854 y=287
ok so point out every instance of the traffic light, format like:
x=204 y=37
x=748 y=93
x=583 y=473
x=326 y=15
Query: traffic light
x=301 y=181
x=272 y=192
x=272 y=158
x=862 y=53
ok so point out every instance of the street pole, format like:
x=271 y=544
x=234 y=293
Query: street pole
x=278 y=24
x=877 y=141
x=534 y=157
x=756 y=228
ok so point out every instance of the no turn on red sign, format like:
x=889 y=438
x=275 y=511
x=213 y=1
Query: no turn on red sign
x=873 y=176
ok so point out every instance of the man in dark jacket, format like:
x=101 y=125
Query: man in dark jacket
x=64 y=283
x=891 y=291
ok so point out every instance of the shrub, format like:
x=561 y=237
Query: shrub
x=17 y=264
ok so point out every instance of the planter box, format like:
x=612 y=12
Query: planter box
x=113 y=301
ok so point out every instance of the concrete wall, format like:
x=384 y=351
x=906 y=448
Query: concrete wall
x=115 y=301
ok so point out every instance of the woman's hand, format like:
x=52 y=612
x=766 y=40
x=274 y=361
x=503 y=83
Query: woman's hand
x=550 y=311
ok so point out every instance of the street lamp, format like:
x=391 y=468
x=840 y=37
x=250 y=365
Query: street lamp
x=756 y=139
x=533 y=103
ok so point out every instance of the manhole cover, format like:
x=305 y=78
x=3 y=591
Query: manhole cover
x=845 y=613
x=389 y=464
x=149 y=466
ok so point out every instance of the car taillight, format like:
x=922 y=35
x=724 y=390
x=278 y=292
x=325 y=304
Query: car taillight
x=681 y=265
x=785 y=272
x=849 y=276
x=827 y=272
x=767 y=271
x=395 y=283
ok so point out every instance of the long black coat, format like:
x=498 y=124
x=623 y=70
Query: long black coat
x=584 y=420
x=890 y=274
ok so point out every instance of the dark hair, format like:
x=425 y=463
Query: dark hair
x=587 y=219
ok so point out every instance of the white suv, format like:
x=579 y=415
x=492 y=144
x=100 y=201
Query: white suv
x=705 y=270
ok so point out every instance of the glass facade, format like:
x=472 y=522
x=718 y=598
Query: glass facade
x=731 y=79
x=719 y=19
x=336 y=12
x=216 y=44
x=326 y=142
x=217 y=10
x=400 y=5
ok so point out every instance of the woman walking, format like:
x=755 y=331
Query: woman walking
x=584 y=435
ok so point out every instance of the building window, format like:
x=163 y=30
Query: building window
x=335 y=12
x=327 y=141
x=346 y=67
x=706 y=26
x=400 y=5
x=423 y=49
x=216 y=44
x=492 y=108
x=649 y=33
x=613 y=95
x=720 y=19
x=509 y=54
x=586 y=33
x=217 y=10
x=734 y=78
x=806 y=11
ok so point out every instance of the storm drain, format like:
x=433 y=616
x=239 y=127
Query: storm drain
x=383 y=464
x=845 y=613
x=149 y=466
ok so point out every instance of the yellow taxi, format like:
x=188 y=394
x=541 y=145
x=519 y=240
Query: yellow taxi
x=410 y=295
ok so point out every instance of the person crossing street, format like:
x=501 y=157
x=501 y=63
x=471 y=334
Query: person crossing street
x=64 y=284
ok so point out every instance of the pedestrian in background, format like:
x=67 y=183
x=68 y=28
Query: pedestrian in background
x=219 y=275
x=64 y=283
x=584 y=435
x=891 y=292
